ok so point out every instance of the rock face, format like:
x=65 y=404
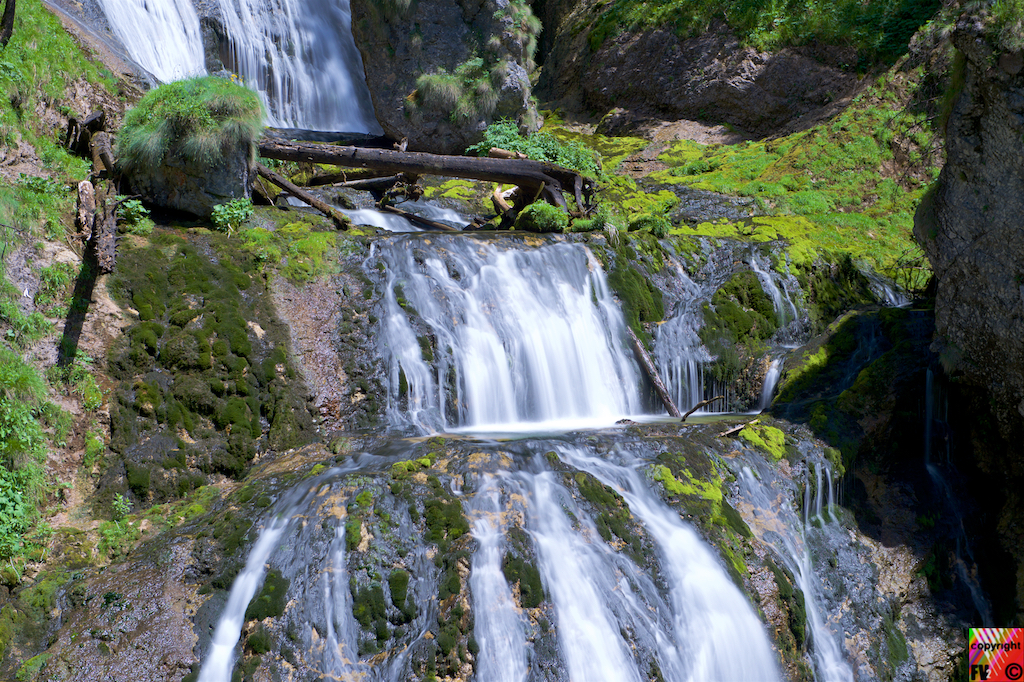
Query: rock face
x=655 y=74
x=970 y=227
x=440 y=72
x=196 y=187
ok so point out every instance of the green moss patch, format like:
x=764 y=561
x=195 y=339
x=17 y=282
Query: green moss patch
x=767 y=438
x=272 y=598
x=206 y=323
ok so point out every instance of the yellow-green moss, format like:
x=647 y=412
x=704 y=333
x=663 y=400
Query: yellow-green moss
x=708 y=490
x=767 y=438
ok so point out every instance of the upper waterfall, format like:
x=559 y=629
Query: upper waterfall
x=162 y=36
x=302 y=60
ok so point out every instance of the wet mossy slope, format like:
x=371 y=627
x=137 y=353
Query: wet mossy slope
x=204 y=377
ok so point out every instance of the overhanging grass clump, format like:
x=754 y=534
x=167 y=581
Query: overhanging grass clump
x=198 y=119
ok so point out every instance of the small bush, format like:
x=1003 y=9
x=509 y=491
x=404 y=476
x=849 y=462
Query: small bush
x=540 y=146
x=542 y=217
x=134 y=218
x=232 y=215
x=197 y=119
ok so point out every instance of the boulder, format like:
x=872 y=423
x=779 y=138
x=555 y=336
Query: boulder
x=655 y=74
x=195 y=187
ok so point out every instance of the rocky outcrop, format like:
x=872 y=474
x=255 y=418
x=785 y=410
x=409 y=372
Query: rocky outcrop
x=193 y=186
x=970 y=227
x=440 y=72
x=654 y=74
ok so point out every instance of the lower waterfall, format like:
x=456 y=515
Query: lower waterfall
x=480 y=335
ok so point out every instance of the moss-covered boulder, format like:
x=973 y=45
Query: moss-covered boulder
x=190 y=145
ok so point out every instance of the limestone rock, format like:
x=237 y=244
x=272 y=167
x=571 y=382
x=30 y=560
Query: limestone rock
x=971 y=225
x=483 y=46
x=654 y=74
x=196 y=187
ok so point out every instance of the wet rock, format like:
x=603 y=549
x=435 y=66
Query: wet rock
x=655 y=75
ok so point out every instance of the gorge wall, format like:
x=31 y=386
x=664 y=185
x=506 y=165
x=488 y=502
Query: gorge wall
x=969 y=226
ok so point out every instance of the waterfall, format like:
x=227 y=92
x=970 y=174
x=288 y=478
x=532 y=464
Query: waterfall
x=220 y=658
x=678 y=350
x=777 y=525
x=301 y=58
x=489 y=336
x=162 y=36
x=785 y=309
x=499 y=630
x=712 y=619
x=771 y=380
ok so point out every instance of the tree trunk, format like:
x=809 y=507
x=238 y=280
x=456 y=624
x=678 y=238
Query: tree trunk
x=340 y=221
x=7 y=23
x=537 y=178
x=412 y=217
x=104 y=232
x=85 y=214
x=652 y=373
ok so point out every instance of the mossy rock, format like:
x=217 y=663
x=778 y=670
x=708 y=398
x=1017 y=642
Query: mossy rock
x=542 y=217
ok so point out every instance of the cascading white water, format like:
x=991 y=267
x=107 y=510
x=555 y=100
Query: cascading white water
x=678 y=350
x=221 y=655
x=302 y=60
x=519 y=336
x=162 y=36
x=499 y=629
x=785 y=309
x=778 y=526
x=771 y=380
x=712 y=620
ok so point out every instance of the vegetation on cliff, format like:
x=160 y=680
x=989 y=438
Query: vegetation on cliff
x=879 y=30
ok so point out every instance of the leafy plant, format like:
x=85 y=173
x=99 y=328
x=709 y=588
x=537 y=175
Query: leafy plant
x=135 y=218
x=120 y=507
x=197 y=119
x=540 y=146
x=231 y=216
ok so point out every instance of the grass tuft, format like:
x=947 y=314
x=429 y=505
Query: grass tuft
x=198 y=119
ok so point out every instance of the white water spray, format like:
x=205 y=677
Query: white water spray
x=162 y=36
x=302 y=60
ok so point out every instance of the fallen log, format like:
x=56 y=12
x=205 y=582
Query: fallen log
x=419 y=219
x=652 y=373
x=371 y=184
x=535 y=177
x=702 y=404
x=735 y=429
x=85 y=211
x=340 y=221
x=104 y=240
x=102 y=154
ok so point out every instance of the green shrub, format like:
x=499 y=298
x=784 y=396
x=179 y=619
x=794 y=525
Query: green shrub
x=197 y=119
x=232 y=215
x=542 y=217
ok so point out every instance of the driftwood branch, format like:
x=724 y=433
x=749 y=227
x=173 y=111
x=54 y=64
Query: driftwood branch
x=419 y=219
x=735 y=429
x=536 y=177
x=702 y=404
x=652 y=373
x=340 y=221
